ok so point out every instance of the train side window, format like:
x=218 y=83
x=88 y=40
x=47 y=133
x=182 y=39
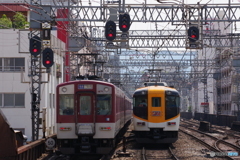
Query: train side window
x=156 y=101
x=66 y=104
x=85 y=105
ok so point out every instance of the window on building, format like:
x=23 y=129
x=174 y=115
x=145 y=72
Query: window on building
x=12 y=64
x=8 y=64
x=19 y=63
x=12 y=100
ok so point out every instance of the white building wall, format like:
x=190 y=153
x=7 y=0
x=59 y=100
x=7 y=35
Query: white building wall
x=15 y=43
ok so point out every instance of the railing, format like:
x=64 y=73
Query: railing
x=33 y=150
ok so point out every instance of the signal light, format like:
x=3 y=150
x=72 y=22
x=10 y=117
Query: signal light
x=110 y=35
x=110 y=30
x=35 y=45
x=47 y=57
x=193 y=34
x=124 y=22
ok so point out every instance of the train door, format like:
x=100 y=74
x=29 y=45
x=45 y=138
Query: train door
x=85 y=114
x=156 y=108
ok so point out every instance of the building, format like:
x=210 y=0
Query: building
x=15 y=87
x=217 y=93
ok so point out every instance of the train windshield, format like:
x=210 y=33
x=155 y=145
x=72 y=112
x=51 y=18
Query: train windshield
x=85 y=105
x=104 y=104
x=66 y=104
x=140 y=106
x=172 y=101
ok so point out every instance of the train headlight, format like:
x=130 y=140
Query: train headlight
x=65 y=128
x=141 y=123
x=64 y=89
x=105 y=128
x=171 y=123
x=168 y=92
x=106 y=89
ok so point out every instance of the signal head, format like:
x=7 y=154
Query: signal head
x=193 y=34
x=35 y=45
x=124 y=22
x=47 y=57
x=110 y=30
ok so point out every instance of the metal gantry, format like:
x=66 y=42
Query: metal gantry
x=140 y=44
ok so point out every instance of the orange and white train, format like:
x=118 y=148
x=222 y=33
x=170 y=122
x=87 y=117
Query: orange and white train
x=90 y=116
x=157 y=121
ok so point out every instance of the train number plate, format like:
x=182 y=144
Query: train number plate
x=156 y=113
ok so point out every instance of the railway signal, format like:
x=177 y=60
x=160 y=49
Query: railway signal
x=193 y=34
x=47 y=57
x=35 y=45
x=124 y=22
x=110 y=30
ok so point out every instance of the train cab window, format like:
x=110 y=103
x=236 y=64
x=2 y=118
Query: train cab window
x=156 y=102
x=104 y=104
x=172 y=105
x=66 y=104
x=140 y=106
x=85 y=105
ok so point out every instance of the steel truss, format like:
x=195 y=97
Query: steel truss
x=167 y=62
x=166 y=13
x=200 y=14
x=35 y=90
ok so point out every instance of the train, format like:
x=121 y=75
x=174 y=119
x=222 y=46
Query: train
x=91 y=115
x=156 y=113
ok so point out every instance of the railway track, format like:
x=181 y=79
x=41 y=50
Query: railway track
x=150 y=154
x=229 y=134
x=216 y=145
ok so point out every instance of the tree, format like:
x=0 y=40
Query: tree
x=5 y=22
x=19 y=21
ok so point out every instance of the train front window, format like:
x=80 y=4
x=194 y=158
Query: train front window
x=140 y=104
x=104 y=104
x=140 y=101
x=85 y=105
x=172 y=105
x=66 y=104
x=156 y=101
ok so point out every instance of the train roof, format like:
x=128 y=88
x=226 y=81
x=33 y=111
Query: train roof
x=156 y=87
x=155 y=84
x=77 y=81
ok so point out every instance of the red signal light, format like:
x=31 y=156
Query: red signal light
x=110 y=35
x=47 y=62
x=193 y=36
x=124 y=26
x=35 y=50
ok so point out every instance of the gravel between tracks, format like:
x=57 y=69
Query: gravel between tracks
x=187 y=148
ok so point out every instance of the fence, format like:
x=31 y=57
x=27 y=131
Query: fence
x=220 y=120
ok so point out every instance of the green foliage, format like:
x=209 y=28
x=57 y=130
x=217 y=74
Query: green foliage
x=189 y=109
x=5 y=22
x=19 y=21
